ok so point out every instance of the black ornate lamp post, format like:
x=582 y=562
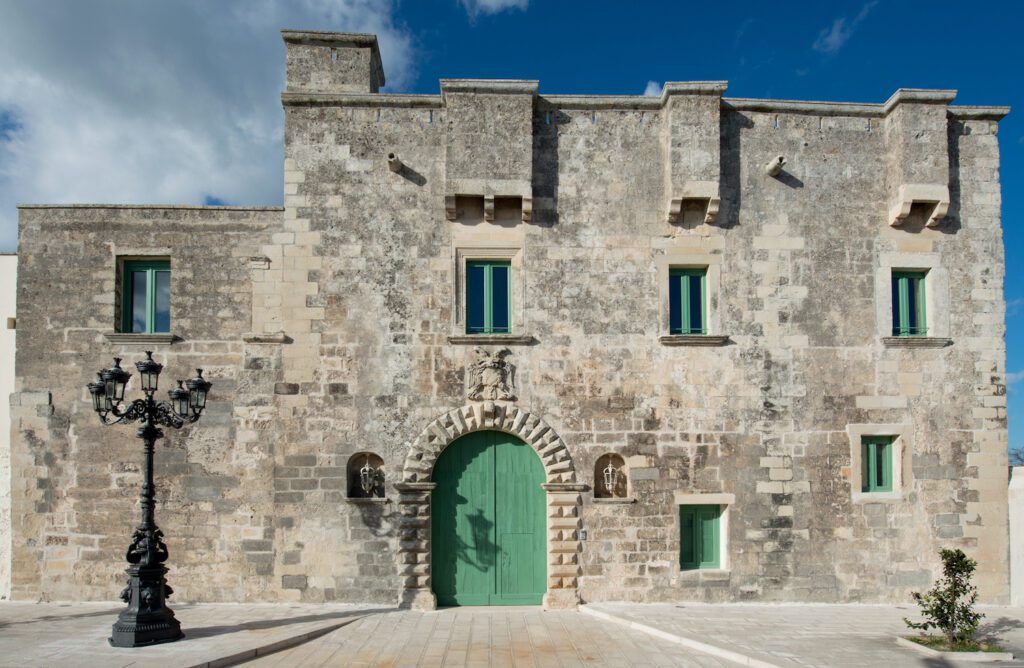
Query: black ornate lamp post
x=147 y=620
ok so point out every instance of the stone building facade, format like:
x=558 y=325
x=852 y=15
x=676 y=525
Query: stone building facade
x=335 y=333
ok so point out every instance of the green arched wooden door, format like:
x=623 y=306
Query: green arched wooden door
x=488 y=526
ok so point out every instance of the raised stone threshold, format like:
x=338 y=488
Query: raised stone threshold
x=492 y=339
x=132 y=338
x=916 y=341
x=707 y=340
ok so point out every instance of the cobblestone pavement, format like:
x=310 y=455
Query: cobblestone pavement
x=51 y=634
x=809 y=634
x=507 y=636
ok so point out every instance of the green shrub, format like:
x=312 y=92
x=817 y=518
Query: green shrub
x=949 y=605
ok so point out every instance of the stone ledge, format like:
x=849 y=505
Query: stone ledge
x=140 y=339
x=367 y=499
x=276 y=337
x=614 y=500
x=492 y=339
x=565 y=487
x=708 y=340
x=916 y=341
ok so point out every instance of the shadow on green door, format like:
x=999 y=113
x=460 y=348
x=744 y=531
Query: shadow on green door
x=488 y=526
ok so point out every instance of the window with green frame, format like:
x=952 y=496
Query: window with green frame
x=146 y=296
x=908 y=300
x=876 y=463
x=686 y=301
x=488 y=297
x=699 y=537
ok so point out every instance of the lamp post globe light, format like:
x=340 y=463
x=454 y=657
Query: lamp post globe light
x=147 y=620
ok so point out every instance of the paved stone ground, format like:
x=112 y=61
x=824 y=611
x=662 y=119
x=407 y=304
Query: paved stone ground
x=808 y=634
x=50 y=634
x=507 y=636
x=780 y=635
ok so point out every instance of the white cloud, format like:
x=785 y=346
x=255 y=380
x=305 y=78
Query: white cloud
x=1014 y=377
x=830 y=40
x=477 y=7
x=653 y=89
x=156 y=102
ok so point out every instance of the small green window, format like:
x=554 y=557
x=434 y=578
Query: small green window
x=488 y=297
x=908 y=318
x=876 y=463
x=686 y=301
x=146 y=296
x=699 y=537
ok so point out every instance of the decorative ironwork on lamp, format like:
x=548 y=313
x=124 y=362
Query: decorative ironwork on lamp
x=147 y=620
x=367 y=477
x=611 y=477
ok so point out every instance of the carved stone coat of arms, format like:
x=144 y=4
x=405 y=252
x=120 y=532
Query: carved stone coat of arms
x=492 y=376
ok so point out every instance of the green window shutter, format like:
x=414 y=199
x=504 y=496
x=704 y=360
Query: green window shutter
x=699 y=537
x=488 y=297
x=877 y=464
x=146 y=296
x=908 y=303
x=687 y=295
x=687 y=538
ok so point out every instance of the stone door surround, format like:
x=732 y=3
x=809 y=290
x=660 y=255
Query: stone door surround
x=563 y=499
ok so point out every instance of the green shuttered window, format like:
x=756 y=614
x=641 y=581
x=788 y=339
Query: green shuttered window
x=488 y=297
x=908 y=300
x=686 y=301
x=146 y=297
x=876 y=463
x=699 y=537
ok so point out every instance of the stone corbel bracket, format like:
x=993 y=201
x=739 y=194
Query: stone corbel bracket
x=930 y=194
x=699 y=191
x=489 y=190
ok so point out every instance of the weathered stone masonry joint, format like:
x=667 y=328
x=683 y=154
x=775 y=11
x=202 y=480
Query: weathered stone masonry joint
x=563 y=498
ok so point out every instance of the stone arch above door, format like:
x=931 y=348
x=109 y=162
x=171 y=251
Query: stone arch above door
x=563 y=499
x=440 y=433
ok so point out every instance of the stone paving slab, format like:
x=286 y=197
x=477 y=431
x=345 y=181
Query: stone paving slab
x=506 y=636
x=787 y=635
x=50 y=634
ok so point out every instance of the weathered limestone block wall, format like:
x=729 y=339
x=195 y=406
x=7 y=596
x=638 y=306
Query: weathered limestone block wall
x=75 y=483
x=333 y=328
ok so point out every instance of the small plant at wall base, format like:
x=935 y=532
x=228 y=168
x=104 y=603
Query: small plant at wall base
x=949 y=607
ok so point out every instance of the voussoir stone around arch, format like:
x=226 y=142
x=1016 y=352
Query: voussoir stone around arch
x=509 y=418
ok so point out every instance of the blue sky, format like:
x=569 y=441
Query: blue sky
x=146 y=101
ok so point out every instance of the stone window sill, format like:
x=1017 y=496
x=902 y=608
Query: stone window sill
x=706 y=574
x=916 y=341
x=368 y=499
x=492 y=339
x=710 y=340
x=614 y=500
x=140 y=339
x=877 y=497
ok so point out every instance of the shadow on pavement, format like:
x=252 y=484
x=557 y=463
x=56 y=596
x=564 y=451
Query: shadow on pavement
x=57 y=618
x=261 y=624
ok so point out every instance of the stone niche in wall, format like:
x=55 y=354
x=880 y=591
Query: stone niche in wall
x=691 y=138
x=489 y=145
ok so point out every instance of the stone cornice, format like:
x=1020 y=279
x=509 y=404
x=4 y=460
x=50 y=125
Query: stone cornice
x=490 y=86
x=978 y=113
x=173 y=207
x=693 y=88
x=293 y=99
x=918 y=96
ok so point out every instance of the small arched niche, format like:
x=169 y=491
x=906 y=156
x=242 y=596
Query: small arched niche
x=610 y=477
x=365 y=475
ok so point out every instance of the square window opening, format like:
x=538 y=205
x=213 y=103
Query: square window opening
x=146 y=296
x=488 y=297
x=687 y=298
x=908 y=303
x=876 y=461
x=700 y=536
